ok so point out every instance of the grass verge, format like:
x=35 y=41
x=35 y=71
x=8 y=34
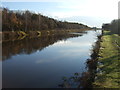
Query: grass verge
x=108 y=68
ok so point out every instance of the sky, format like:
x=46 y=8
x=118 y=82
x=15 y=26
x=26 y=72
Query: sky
x=90 y=12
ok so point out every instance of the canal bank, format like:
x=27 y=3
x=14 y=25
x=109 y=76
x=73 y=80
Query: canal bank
x=107 y=69
x=19 y=35
x=87 y=78
x=103 y=66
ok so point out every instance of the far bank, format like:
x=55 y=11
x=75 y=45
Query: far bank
x=18 y=35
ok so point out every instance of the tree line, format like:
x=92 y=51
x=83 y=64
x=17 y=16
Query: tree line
x=28 y=21
x=114 y=26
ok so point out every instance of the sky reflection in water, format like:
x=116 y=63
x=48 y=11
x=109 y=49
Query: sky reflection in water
x=45 y=68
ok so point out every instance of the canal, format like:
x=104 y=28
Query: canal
x=43 y=62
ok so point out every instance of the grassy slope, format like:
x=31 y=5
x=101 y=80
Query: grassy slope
x=108 y=75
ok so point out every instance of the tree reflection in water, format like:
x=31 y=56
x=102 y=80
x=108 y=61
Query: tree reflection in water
x=31 y=45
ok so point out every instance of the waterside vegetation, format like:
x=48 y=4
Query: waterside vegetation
x=17 y=25
x=108 y=72
x=19 y=35
x=29 y=21
x=103 y=66
x=114 y=26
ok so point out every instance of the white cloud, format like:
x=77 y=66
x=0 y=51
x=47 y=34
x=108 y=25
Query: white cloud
x=99 y=8
x=100 y=11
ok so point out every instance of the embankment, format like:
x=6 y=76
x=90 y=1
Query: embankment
x=18 y=35
x=88 y=77
x=108 y=72
x=103 y=67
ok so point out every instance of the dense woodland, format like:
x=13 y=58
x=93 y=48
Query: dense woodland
x=114 y=26
x=28 y=21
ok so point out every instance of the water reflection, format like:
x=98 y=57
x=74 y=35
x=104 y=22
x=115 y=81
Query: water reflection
x=28 y=46
x=42 y=62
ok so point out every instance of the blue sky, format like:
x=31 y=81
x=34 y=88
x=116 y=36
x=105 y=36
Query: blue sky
x=90 y=12
x=33 y=6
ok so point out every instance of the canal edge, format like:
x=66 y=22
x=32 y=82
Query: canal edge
x=87 y=78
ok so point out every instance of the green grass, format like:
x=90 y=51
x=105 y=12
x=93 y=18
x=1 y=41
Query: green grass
x=109 y=74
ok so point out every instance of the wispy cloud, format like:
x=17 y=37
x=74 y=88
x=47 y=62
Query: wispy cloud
x=99 y=8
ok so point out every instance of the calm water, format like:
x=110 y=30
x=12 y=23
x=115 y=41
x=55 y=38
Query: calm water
x=42 y=62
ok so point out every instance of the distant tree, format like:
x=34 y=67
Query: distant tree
x=5 y=21
x=114 y=26
x=13 y=21
x=27 y=21
x=106 y=26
